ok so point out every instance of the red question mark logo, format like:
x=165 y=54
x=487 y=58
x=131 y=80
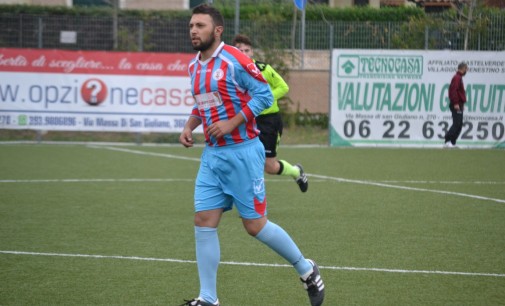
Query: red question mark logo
x=94 y=91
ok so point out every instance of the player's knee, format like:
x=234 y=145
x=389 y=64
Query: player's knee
x=209 y=218
x=251 y=231
x=254 y=226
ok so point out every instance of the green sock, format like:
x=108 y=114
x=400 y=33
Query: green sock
x=289 y=170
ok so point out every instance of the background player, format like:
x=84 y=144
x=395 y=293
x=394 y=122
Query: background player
x=269 y=121
x=457 y=100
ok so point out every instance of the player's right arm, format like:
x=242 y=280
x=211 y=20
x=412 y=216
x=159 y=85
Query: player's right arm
x=186 y=137
x=249 y=78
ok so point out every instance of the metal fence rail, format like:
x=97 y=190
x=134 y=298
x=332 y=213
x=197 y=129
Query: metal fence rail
x=164 y=35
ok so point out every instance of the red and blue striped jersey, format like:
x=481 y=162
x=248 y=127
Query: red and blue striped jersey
x=225 y=85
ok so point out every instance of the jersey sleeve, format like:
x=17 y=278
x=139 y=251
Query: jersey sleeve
x=249 y=78
x=195 y=112
x=191 y=71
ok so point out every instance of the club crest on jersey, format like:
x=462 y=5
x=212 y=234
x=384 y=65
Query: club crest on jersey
x=253 y=69
x=218 y=74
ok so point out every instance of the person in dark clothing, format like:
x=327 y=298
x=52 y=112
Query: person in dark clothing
x=457 y=100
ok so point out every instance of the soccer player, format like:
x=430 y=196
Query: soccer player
x=457 y=100
x=269 y=121
x=229 y=92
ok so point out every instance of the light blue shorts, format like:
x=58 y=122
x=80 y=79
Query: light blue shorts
x=230 y=175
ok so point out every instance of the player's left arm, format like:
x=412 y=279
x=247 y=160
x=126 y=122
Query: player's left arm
x=261 y=98
x=186 y=137
x=250 y=78
x=220 y=128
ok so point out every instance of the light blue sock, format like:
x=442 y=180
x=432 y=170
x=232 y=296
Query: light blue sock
x=208 y=255
x=278 y=240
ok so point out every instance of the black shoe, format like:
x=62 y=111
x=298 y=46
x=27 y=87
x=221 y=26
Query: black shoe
x=302 y=180
x=314 y=286
x=198 y=302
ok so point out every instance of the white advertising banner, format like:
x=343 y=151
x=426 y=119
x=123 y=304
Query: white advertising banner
x=398 y=98
x=94 y=91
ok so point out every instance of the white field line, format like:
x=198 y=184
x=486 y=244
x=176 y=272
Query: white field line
x=371 y=183
x=446 y=182
x=134 y=180
x=146 y=153
x=92 y=180
x=333 y=178
x=253 y=264
x=282 y=180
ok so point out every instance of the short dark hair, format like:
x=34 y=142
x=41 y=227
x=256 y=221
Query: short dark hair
x=206 y=9
x=462 y=65
x=241 y=39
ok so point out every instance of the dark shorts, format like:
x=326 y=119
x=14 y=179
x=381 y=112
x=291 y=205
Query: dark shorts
x=270 y=126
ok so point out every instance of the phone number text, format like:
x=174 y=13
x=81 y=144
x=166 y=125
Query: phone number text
x=429 y=130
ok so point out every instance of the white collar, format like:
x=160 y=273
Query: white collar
x=216 y=52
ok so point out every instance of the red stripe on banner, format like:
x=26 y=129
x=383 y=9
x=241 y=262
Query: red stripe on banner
x=94 y=62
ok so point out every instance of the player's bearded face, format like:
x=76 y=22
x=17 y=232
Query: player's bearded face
x=203 y=44
x=201 y=32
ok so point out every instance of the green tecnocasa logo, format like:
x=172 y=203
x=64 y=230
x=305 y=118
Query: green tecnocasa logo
x=348 y=65
x=380 y=66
